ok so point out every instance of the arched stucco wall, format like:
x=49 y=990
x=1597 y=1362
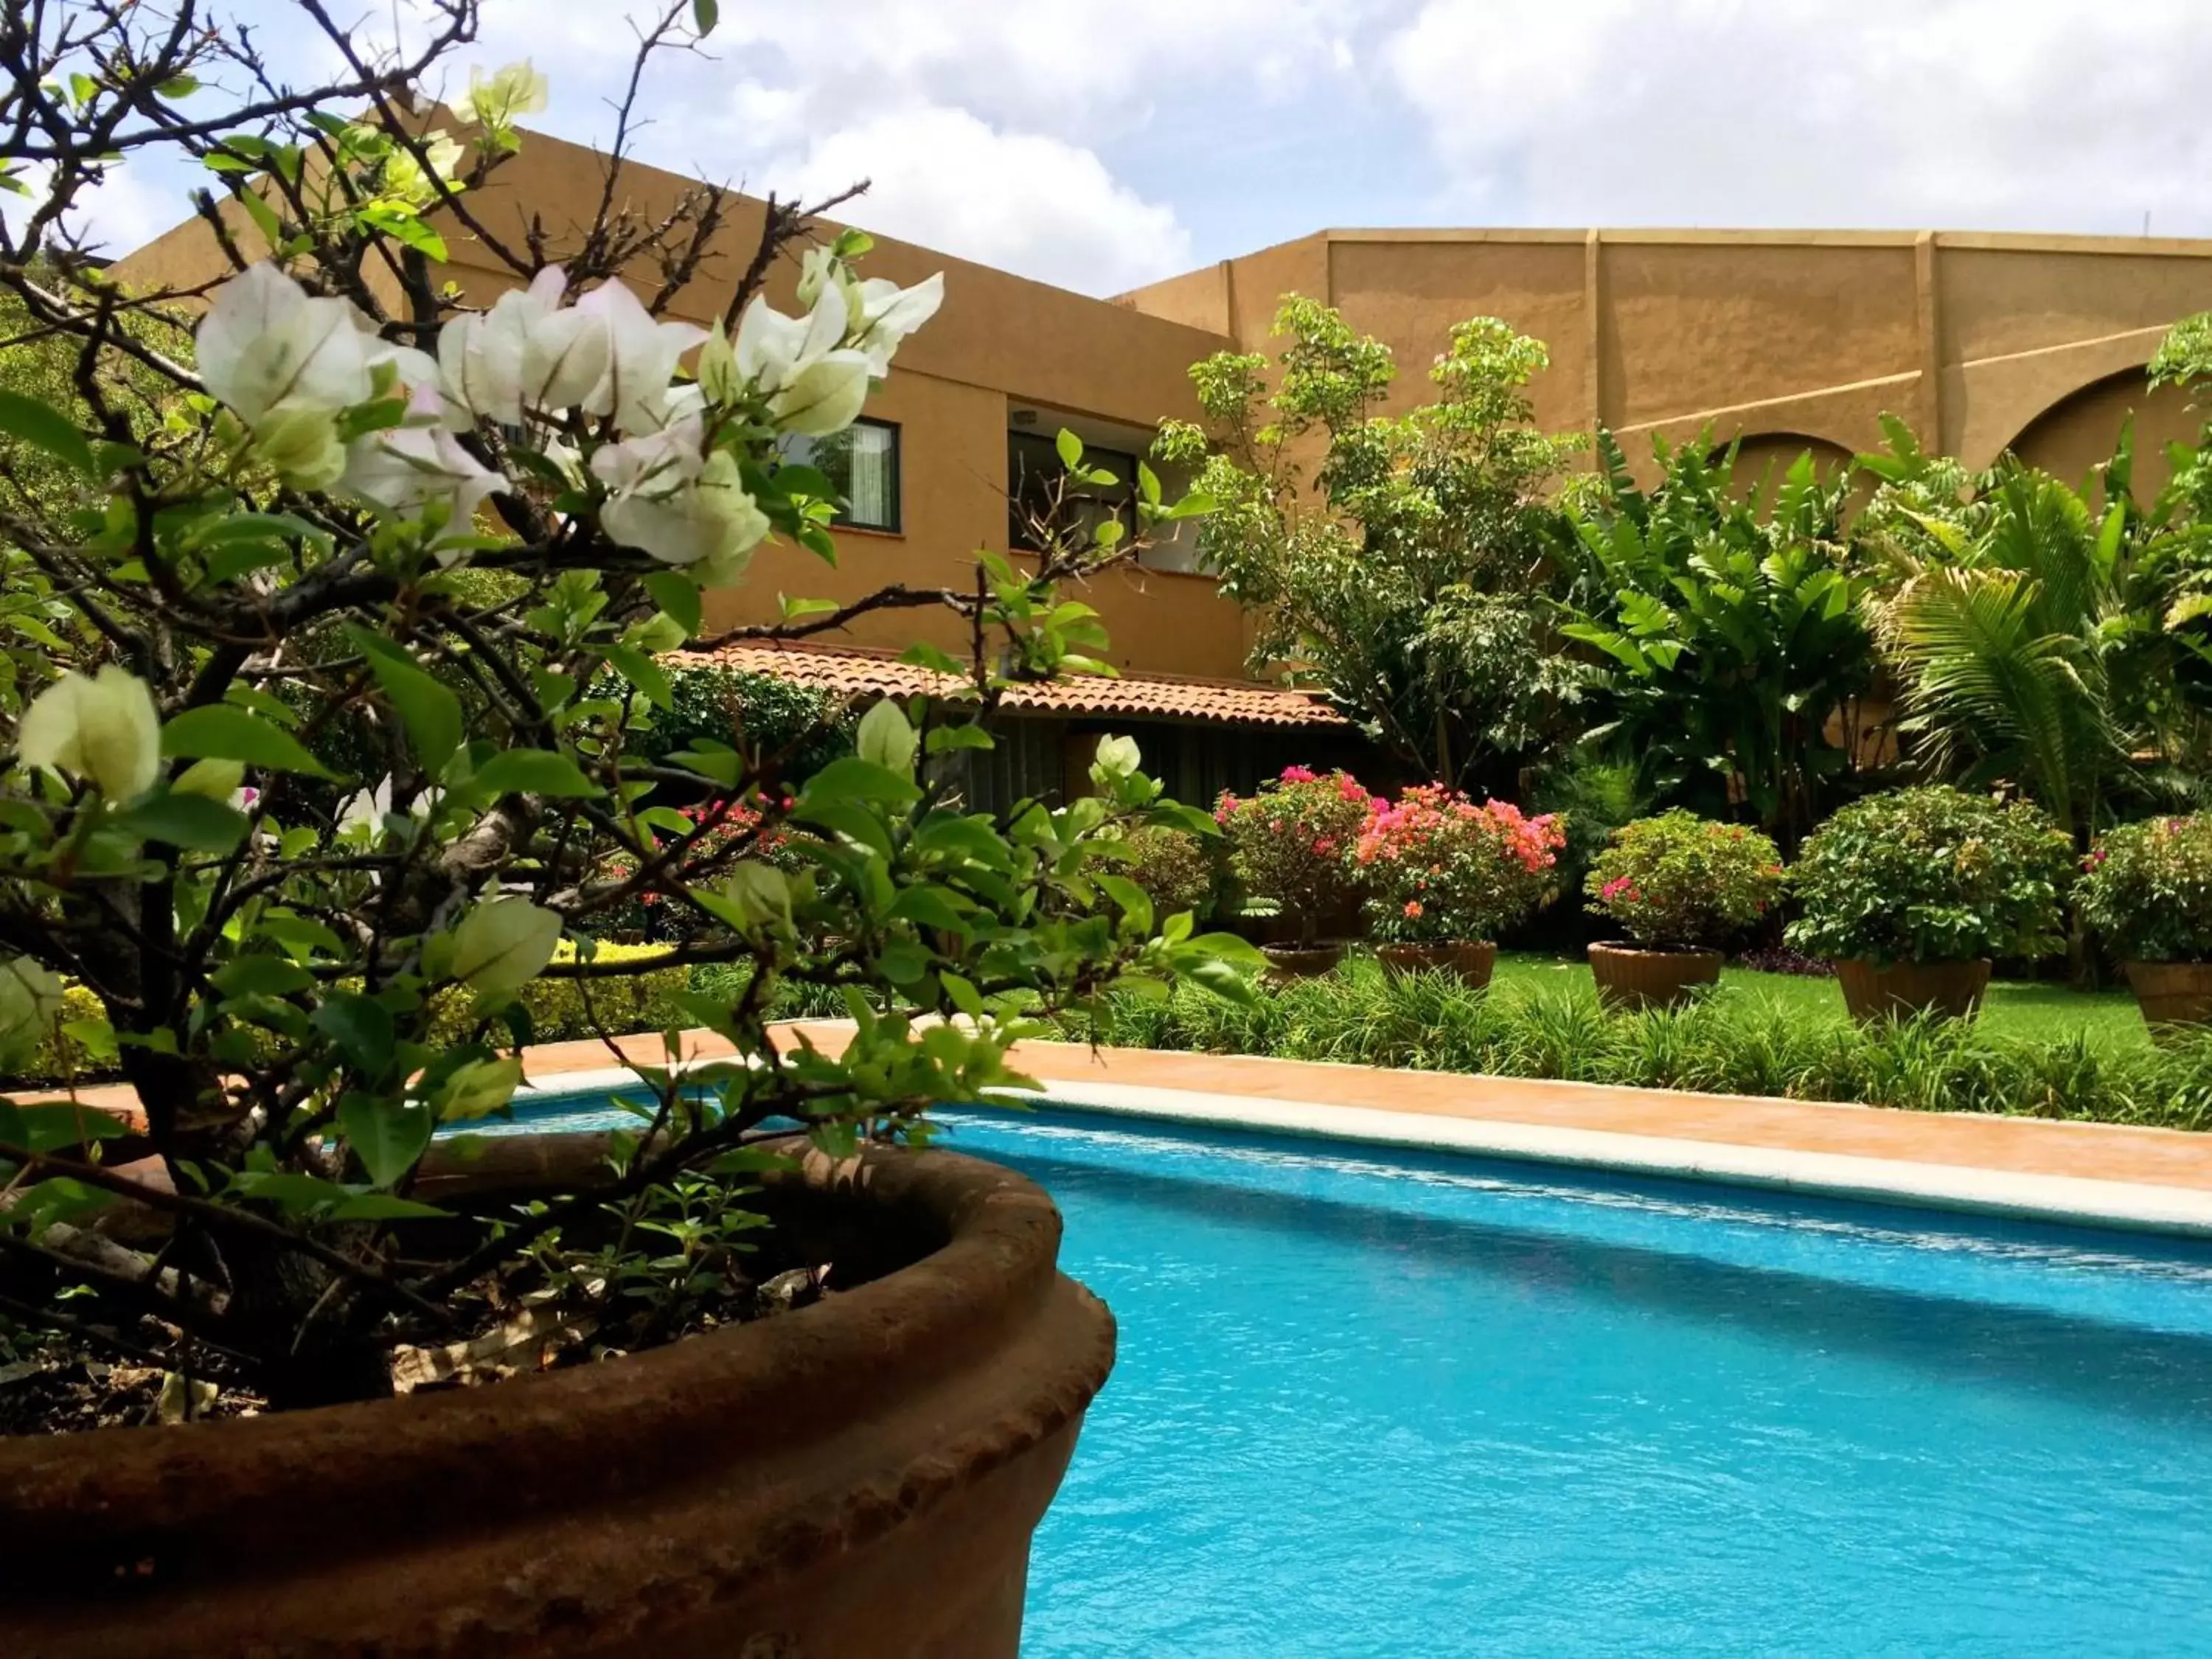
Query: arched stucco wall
x=2078 y=431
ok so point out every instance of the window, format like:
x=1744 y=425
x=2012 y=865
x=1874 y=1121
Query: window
x=862 y=465
x=1034 y=473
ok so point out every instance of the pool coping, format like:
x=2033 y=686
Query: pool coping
x=2117 y=1176
x=2067 y=1173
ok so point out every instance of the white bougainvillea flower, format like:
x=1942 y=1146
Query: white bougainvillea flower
x=266 y=341
x=887 y=314
x=31 y=1004
x=104 y=730
x=405 y=178
x=826 y=397
x=501 y=945
x=668 y=501
x=643 y=353
x=408 y=470
x=773 y=350
x=527 y=355
x=494 y=100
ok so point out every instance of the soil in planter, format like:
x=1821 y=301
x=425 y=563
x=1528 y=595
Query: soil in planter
x=63 y=1382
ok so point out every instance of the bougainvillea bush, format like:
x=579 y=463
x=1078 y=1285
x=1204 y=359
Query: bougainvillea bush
x=1931 y=874
x=1288 y=843
x=1438 y=869
x=357 y=489
x=1178 y=870
x=2146 y=889
x=1678 y=882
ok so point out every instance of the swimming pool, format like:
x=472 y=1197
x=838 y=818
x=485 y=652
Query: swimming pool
x=1398 y=1404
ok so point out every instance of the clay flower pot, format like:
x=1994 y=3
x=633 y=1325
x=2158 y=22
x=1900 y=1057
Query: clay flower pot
x=1630 y=979
x=857 y=1480
x=1470 y=964
x=2173 y=994
x=1302 y=961
x=1900 y=990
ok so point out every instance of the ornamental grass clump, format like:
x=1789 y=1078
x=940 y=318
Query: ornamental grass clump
x=1288 y=842
x=1679 y=881
x=2146 y=889
x=1932 y=875
x=1438 y=869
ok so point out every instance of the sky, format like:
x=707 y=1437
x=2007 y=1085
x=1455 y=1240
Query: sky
x=1103 y=144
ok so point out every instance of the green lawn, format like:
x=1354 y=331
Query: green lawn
x=2013 y=1008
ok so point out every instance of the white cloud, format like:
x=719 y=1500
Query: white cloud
x=2032 y=113
x=130 y=207
x=1023 y=202
x=984 y=124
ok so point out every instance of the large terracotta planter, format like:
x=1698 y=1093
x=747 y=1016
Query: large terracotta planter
x=1302 y=961
x=1469 y=963
x=2173 y=994
x=1629 y=979
x=1901 y=990
x=858 y=1479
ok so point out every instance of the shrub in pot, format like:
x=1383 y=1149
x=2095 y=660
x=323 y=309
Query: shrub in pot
x=1287 y=846
x=1446 y=876
x=1179 y=872
x=1680 y=887
x=316 y=486
x=2146 y=889
x=1910 y=894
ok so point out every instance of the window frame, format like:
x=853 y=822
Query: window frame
x=897 y=526
x=1126 y=507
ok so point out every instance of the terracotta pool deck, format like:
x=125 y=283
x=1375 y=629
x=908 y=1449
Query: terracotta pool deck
x=2158 y=1180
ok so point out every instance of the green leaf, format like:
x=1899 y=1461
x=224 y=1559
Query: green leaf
x=533 y=772
x=942 y=737
x=191 y=821
x=263 y=216
x=1070 y=447
x=641 y=671
x=383 y=1207
x=795 y=609
x=677 y=596
x=705 y=13
x=261 y=975
x=221 y=732
x=850 y=778
x=429 y=711
x=1131 y=897
x=45 y=428
x=388 y=1136
x=361 y=1026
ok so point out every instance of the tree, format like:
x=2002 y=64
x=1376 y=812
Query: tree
x=1405 y=576
x=362 y=498
x=1731 y=636
x=2041 y=642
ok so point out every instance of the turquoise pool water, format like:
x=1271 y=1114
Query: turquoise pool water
x=1381 y=1403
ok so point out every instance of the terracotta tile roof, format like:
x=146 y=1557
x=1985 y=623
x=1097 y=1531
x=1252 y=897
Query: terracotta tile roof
x=865 y=674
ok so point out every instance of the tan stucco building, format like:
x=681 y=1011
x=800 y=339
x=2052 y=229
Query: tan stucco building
x=1787 y=340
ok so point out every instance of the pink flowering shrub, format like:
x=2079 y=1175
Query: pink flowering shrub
x=1287 y=844
x=1439 y=869
x=1679 y=881
x=726 y=832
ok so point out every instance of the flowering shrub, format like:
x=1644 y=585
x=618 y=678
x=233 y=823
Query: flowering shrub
x=2147 y=889
x=334 y=483
x=1680 y=882
x=721 y=829
x=1931 y=875
x=1288 y=843
x=1440 y=869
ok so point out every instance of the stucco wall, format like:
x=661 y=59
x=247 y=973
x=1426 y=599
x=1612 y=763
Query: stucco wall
x=1972 y=339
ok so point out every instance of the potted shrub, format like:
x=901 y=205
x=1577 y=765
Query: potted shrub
x=2147 y=888
x=1179 y=872
x=1912 y=893
x=523 y=1397
x=1680 y=887
x=1287 y=848
x=1446 y=876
